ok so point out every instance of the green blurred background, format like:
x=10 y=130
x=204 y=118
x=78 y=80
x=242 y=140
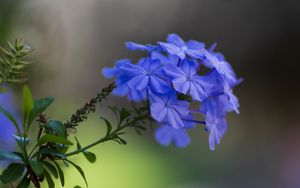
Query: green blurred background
x=73 y=40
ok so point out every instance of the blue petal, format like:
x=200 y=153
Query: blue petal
x=163 y=135
x=131 y=69
x=217 y=128
x=225 y=69
x=174 y=119
x=155 y=65
x=169 y=59
x=120 y=91
x=136 y=81
x=158 y=111
x=198 y=54
x=233 y=100
x=181 y=107
x=181 y=138
x=109 y=72
x=198 y=88
x=172 y=49
x=175 y=39
x=137 y=96
x=212 y=47
x=181 y=85
x=159 y=85
x=195 y=45
x=189 y=67
x=143 y=84
x=174 y=71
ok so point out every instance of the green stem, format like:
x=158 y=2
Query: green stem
x=108 y=137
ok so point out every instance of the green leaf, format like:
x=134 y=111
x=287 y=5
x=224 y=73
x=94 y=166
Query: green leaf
x=40 y=106
x=58 y=127
x=6 y=155
x=91 y=157
x=12 y=172
x=11 y=118
x=54 y=139
x=27 y=103
x=79 y=170
x=51 y=168
x=124 y=142
x=24 y=183
x=77 y=186
x=49 y=179
x=60 y=173
x=37 y=167
x=108 y=125
x=78 y=144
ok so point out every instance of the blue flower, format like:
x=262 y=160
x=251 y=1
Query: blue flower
x=223 y=86
x=217 y=128
x=165 y=135
x=7 y=141
x=115 y=71
x=167 y=108
x=121 y=82
x=186 y=80
x=215 y=108
x=147 y=74
x=176 y=46
x=170 y=69
x=217 y=61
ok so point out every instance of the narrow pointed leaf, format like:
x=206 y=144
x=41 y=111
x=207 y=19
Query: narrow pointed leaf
x=49 y=179
x=51 y=168
x=27 y=103
x=79 y=170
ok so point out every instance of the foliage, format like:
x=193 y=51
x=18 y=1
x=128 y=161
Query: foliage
x=12 y=64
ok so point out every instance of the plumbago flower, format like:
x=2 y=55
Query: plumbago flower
x=169 y=80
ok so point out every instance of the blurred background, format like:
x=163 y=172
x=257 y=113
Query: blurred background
x=74 y=40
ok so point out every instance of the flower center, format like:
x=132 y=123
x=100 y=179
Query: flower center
x=184 y=48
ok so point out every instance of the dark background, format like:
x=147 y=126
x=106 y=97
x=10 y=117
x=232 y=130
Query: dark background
x=73 y=40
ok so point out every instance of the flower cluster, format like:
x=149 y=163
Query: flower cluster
x=169 y=78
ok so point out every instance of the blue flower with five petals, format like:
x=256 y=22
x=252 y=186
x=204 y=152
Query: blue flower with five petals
x=165 y=135
x=186 y=80
x=175 y=45
x=167 y=108
x=147 y=74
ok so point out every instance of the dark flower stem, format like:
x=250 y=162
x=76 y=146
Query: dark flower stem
x=195 y=121
x=82 y=113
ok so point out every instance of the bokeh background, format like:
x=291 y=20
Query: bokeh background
x=73 y=40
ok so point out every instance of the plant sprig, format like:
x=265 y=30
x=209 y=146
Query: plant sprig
x=12 y=63
x=44 y=159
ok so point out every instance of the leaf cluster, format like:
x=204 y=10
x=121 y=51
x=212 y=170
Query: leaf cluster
x=47 y=156
x=12 y=63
